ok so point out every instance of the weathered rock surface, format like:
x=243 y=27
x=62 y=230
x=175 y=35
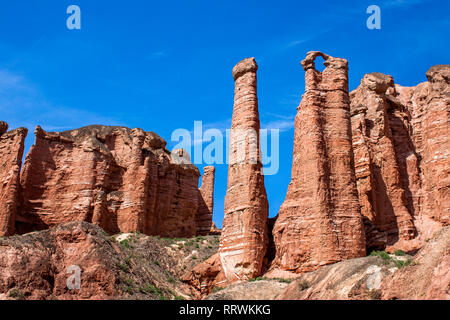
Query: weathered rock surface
x=428 y=105
x=120 y=179
x=125 y=266
x=35 y=266
x=427 y=277
x=320 y=221
x=253 y=290
x=206 y=202
x=11 y=152
x=354 y=279
x=400 y=140
x=206 y=276
x=244 y=238
x=380 y=185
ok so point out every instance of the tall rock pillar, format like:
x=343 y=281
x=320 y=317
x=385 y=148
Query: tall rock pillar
x=206 y=202
x=244 y=236
x=320 y=220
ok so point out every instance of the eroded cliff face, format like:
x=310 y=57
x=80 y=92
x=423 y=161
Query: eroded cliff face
x=120 y=179
x=429 y=107
x=382 y=195
x=11 y=152
x=320 y=220
x=400 y=140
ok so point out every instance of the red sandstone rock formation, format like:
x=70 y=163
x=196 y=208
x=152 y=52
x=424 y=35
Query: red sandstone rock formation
x=427 y=277
x=36 y=265
x=120 y=179
x=11 y=152
x=428 y=107
x=320 y=221
x=381 y=193
x=206 y=202
x=244 y=235
x=400 y=140
x=205 y=276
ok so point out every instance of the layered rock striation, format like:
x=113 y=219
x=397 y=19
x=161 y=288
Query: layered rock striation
x=320 y=222
x=428 y=107
x=400 y=140
x=11 y=152
x=120 y=179
x=382 y=195
x=244 y=237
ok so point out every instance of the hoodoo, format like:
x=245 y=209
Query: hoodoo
x=320 y=220
x=244 y=236
x=206 y=202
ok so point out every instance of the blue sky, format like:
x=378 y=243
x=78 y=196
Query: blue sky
x=162 y=65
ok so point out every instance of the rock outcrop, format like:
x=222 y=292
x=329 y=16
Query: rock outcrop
x=206 y=276
x=11 y=152
x=244 y=238
x=45 y=264
x=427 y=277
x=206 y=202
x=120 y=179
x=428 y=106
x=320 y=222
x=380 y=186
x=354 y=279
x=400 y=141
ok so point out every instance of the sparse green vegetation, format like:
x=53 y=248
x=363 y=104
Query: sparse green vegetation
x=256 y=279
x=150 y=288
x=399 y=253
x=217 y=289
x=171 y=280
x=375 y=294
x=283 y=280
x=400 y=263
x=124 y=267
x=129 y=289
x=382 y=254
x=16 y=294
x=125 y=243
x=179 y=298
x=303 y=285
x=199 y=238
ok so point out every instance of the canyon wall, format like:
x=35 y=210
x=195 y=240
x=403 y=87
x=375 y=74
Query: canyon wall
x=320 y=220
x=11 y=152
x=400 y=140
x=380 y=186
x=120 y=179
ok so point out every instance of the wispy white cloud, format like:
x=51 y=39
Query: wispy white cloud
x=22 y=104
x=157 y=54
x=401 y=3
x=311 y=36
x=281 y=124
